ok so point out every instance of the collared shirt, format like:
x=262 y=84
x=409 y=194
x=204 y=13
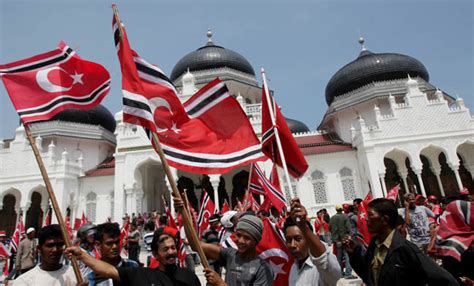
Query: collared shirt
x=323 y=270
x=380 y=253
x=26 y=256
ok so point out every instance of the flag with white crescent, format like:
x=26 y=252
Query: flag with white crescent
x=272 y=248
x=45 y=84
x=209 y=134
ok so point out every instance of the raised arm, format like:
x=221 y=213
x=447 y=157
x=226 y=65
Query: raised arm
x=99 y=267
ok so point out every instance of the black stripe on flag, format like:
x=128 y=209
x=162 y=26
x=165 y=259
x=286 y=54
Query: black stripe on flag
x=152 y=72
x=207 y=160
x=42 y=64
x=60 y=100
x=136 y=104
x=218 y=93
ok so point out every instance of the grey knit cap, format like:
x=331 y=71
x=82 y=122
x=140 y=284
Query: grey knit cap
x=252 y=225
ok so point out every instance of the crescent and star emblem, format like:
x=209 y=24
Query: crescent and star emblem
x=47 y=85
x=275 y=252
x=159 y=102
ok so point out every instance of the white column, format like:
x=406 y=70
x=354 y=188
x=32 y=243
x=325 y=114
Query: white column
x=139 y=201
x=403 y=175
x=119 y=188
x=129 y=201
x=420 y=181
x=215 y=185
x=174 y=172
x=455 y=169
x=382 y=183
x=437 y=172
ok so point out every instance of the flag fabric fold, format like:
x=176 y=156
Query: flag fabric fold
x=259 y=182
x=209 y=134
x=392 y=194
x=456 y=229
x=46 y=84
x=363 y=235
x=294 y=158
x=272 y=248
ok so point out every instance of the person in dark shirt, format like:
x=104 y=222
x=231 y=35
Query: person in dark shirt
x=164 y=250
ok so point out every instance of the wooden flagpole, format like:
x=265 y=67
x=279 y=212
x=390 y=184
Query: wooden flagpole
x=54 y=202
x=193 y=239
x=277 y=135
x=187 y=221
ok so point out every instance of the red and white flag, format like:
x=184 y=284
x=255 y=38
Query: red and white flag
x=225 y=207
x=19 y=230
x=209 y=134
x=272 y=248
x=294 y=158
x=45 y=84
x=363 y=234
x=251 y=203
x=456 y=229
x=205 y=212
x=169 y=216
x=123 y=236
x=259 y=181
x=68 y=226
x=84 y=219
x=392 y=194
x=47 y=218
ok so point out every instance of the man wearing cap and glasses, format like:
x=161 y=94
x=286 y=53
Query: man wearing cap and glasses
x=26 y=256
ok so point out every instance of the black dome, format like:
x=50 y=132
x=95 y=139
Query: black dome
x=371 y=67
x=296 y=126
x=98 y=115
x=211 y=56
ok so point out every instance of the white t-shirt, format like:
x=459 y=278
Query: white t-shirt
x=36 y=276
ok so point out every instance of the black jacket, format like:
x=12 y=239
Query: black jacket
x=404 y=265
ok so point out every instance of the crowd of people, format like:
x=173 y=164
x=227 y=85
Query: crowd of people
x=422 y=242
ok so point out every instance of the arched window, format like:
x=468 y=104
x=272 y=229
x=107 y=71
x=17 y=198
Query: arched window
x=91 y=206
x=347 y=181
x=318 y=180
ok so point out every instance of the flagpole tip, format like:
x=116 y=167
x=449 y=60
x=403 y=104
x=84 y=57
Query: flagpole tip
x=262 y=70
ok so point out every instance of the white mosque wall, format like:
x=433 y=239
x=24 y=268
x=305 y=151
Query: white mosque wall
x=96 y=198
x=325 y=173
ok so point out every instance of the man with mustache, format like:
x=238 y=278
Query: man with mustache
x=107 y=242
x=164 y=249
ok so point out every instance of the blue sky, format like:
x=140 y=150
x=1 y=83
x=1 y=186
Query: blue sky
x=301 y=44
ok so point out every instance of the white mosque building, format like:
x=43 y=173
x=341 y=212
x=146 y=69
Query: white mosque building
x=385 y=125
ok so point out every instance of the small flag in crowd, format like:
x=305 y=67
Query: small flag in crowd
x=205 y=212
x=45 y=84
x=259 y=181
x=362 y=229
x=19 y=230
x=392 y=194
x=272 y=248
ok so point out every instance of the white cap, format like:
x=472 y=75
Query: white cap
x=30 y=230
